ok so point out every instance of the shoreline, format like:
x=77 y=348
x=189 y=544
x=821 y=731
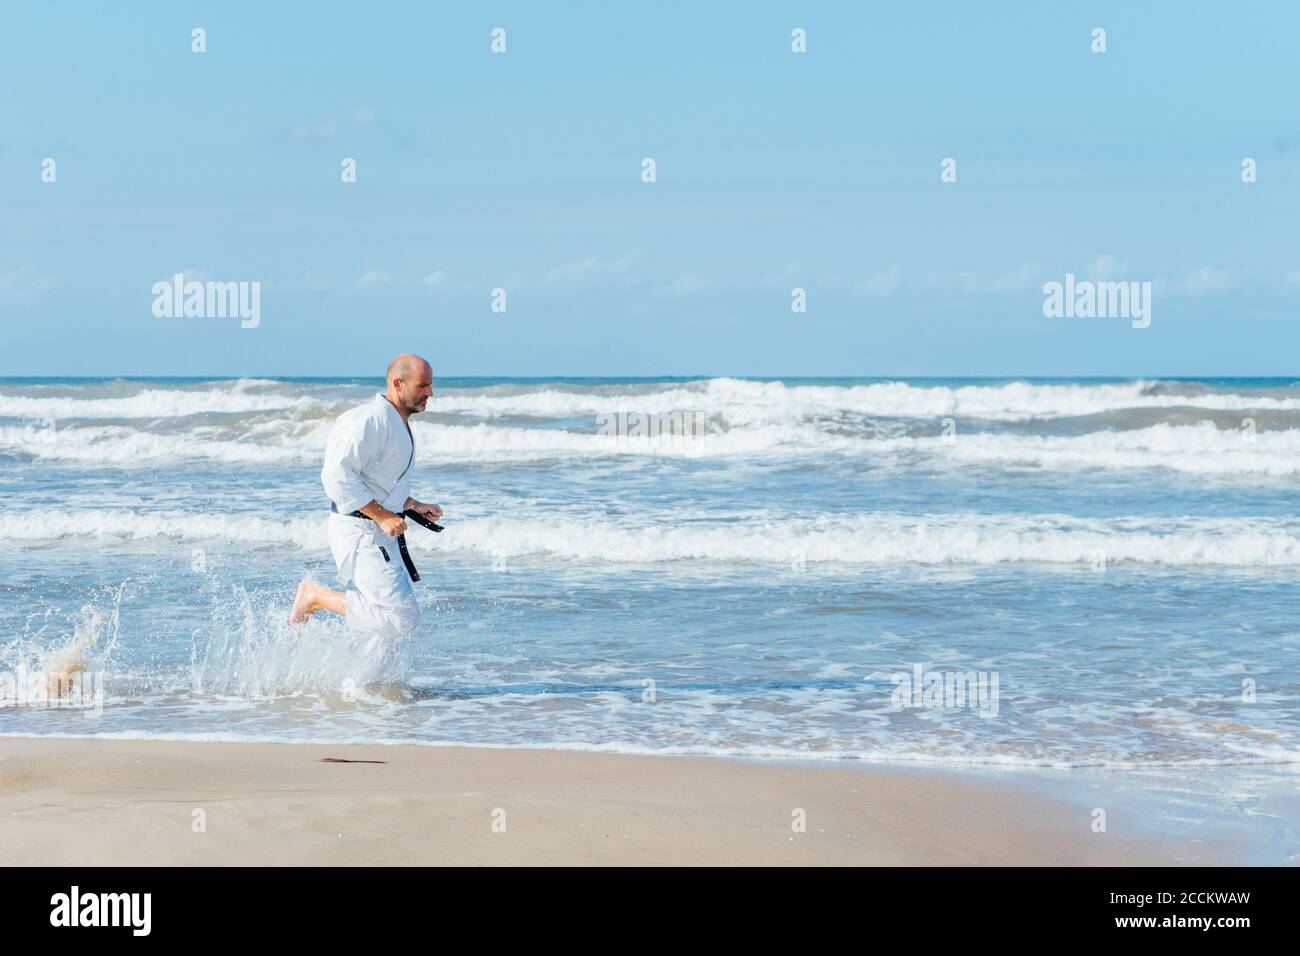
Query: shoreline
x=93 y=802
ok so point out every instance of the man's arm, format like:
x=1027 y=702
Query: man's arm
x=388 y=522
x=393 y=524
x=350 y=447
x=432 y=512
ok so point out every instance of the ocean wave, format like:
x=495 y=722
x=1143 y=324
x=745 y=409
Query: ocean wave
x=879 y=539
x=737 y=402
x=286 y=441
x=150 y=403
x=130 y=447
x=1022 y=401
x=1201 y=449
x=742 y=402
x=893 y=539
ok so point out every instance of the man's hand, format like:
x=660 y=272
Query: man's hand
x=391 y=524
x=432 y=512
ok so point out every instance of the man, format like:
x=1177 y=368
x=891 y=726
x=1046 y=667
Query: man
x=367 y=472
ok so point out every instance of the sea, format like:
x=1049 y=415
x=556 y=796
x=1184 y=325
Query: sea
x=1092 y=582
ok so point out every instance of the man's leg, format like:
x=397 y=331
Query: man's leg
x=311 y=597
x=379 y=599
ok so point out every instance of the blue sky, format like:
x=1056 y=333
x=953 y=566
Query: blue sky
x=522 y=171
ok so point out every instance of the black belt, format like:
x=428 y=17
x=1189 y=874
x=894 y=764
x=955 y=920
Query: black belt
x=401 y=538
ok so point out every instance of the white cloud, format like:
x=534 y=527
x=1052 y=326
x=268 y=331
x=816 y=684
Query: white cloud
x=962 y=282
x=790 y=276
x=1020 y=279
x=373 y=278
x=881 y=285
x=1106 y=268
x=322 y=129
x=1023 y=278
x=690 y=284
x=389 y=284
x=571 y=269
x=309 y=281
x=24 y=285
x=787 y=277
x=1206 y=281
x=363 y=117
x=591 y=269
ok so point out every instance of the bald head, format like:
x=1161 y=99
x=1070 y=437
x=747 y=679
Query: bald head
x=407 y=365
x=410 y=383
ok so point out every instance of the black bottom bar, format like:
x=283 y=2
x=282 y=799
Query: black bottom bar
x=1221 y=907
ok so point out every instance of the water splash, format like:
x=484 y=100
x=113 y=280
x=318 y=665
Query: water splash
x=250 y=650
x=90 y=646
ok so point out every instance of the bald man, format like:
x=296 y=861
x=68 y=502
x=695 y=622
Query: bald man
x=367 y=475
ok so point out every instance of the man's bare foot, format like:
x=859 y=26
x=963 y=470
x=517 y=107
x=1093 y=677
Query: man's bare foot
x=304 y=603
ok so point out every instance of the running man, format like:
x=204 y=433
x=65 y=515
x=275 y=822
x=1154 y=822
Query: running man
x=367 y=476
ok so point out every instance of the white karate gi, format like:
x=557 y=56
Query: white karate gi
x=368 y=457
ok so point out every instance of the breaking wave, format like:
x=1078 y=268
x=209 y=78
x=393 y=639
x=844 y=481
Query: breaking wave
x=866 y=539
x=1200 y=448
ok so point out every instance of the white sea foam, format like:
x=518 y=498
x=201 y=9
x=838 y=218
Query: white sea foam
x=127 y=447
x=1021 y=401
x=1195 y=449
x=891 y=539
x=747 y=402
x=1281 y=759
x=868 y=539
x=126 y=525
x=240 y=384
x=271 y=442
x=735 y=401
x=149 y=403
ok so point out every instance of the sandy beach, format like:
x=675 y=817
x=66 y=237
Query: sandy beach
x=122 y=802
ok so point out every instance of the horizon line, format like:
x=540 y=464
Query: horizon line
x=689 y=377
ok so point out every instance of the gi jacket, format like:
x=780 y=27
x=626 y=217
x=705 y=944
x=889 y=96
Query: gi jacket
x=368 y=457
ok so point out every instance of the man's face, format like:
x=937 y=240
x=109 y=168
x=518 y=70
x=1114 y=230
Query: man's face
x=416 y=390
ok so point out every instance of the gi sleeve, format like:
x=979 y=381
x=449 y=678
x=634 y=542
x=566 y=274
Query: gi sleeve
x=352 y=445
